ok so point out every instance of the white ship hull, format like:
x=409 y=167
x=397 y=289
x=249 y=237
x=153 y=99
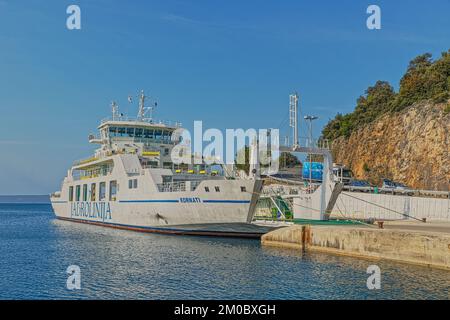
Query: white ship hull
x=167 y=209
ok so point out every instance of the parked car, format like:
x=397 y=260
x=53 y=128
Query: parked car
x=360 y=185
x=393 y=186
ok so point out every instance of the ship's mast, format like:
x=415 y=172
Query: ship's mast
x=115 y=110
x=141 y=112
x=143 y=109
x=293 y=118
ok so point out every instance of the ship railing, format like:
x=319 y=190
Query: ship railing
x=320 y=143
x=169 y=123
x=84 y=161
x=172 y=186
x=89 y=174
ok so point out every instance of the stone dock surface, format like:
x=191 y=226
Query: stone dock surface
x=403 y=241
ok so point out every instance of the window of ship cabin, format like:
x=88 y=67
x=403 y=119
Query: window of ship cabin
x=138 y=132
x=166 y=136
x=112 y=190
x=158 y=135
x=132 y=184
x=112 y=131
x=149 y=134
x=166 y=151
x=243 y=189
x=153 y=164
x=121 y=132
x=102 y=191
x=71 y=193
x=217 y=189
x=206 y=189
x=130 y=132
x=77 y=193
x=84 y=192
x=93 y=191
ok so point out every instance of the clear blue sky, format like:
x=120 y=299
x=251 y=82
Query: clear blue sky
x=229 y=63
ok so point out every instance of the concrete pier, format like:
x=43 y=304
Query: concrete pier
x=416 y=243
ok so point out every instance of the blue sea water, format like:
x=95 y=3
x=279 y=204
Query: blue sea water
x=36 y=249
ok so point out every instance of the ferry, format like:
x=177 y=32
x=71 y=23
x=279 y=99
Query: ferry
x=132 y=183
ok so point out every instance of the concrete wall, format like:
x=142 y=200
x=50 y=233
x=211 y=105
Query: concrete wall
x=368 y=205
x=362 y=205
x=424 y=248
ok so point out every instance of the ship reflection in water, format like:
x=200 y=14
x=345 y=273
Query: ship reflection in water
x=36 y=250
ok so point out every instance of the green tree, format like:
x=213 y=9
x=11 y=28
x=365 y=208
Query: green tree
x=424 y=79
x=242 y=160
x=288 y=160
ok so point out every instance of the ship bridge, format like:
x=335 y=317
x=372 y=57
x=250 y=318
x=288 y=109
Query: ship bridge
x=133 y=130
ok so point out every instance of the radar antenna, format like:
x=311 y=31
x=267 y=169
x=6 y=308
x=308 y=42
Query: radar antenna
x=115 y=111
x=143 y=110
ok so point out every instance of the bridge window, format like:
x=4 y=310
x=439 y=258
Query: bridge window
x=121 y=132
x=158 y=135
x=217 y=189
x=84 y=192
x=102 y=191
x=112 y=131
x=112 y=190
x=138 y=132
x=93 y=191
x=71 y=193
x=77 y=193
x=206 y=189
x=149 y=134
x=130 y=132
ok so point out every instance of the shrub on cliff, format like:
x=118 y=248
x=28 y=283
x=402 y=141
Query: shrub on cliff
x=424 y=79
x=375 y=102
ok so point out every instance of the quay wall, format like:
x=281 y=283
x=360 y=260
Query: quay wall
x=416 y=247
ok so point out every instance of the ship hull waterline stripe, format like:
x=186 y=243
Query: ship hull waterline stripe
x=149 y=201
x=177 y=201
x=172 y=201
x=231 y=234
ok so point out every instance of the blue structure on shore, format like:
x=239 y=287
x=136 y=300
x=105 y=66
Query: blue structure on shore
x=313 y=170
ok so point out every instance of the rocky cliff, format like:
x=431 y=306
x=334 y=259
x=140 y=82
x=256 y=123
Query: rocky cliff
x=411 y=146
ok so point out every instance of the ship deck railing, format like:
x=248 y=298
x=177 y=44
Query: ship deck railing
x=89 y=174
x=168 y=123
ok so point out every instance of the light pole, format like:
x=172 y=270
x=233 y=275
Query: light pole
x=310 y=144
